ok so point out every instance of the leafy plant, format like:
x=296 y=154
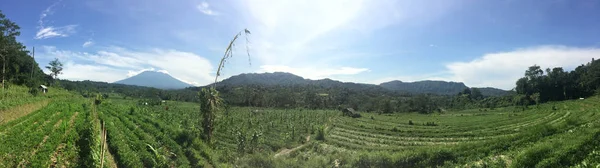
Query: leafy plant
x=210 y=101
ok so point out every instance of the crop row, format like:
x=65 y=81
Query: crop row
x=31 y=141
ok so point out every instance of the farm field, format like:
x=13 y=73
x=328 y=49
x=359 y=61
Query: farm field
x=68 y=132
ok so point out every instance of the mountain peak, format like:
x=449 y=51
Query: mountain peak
x=155 y=79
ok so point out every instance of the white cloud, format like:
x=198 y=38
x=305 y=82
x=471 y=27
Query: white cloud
x=49 y=32
x=313 y=73
x=75 y=71
x=45 y=31
x=88 y=43
x=122 y=63
x=204 y=7
x=502 y=69
x=306 y=37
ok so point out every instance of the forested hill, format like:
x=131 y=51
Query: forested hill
x=284 y=79
x=433 y=87
x=437 y=87
x=419 y=87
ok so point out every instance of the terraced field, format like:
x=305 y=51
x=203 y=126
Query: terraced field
x=566 y=132
x=393 y=132
x=44 y=138
x=67 y=131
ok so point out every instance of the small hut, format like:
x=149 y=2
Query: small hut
x=350 y=113
x=43 y=88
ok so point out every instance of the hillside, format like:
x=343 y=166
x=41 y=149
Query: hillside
x=419 y=87
x=154 y=79
x=433 y=87
x=437 y=87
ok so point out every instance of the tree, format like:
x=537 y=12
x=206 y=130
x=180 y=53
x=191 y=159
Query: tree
x=522 y=86
x=8 y=32
x=466 y=91
x=534 y=72
x=536 y=98
x=55 y=68
x=476 y=94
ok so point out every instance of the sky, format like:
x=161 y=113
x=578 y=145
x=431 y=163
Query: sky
x=483 y=43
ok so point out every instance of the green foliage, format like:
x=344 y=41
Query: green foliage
x=210 y=105
x=558 y=84
x=33 y=91
x=150 y=136
x=98 y=99
x=430 y=124
x=89 y=142
x=320 y=133
x=30 y=141
x=16 y=64
x=55 y=67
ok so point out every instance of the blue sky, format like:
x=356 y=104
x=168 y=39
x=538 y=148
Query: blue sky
x=478 y=42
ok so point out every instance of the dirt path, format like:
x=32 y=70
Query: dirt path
x=109 y=159
x=20 y=111
x=286 y=151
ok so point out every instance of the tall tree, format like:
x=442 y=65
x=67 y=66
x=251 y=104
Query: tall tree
x=8 y=32
x=55 y=68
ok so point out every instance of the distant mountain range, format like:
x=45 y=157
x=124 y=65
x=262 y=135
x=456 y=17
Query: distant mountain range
x=419 y=87
x=154 y=79
x=165 y=81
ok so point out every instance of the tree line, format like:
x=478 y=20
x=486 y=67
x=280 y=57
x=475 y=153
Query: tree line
x=17 y=64
x=556 y=84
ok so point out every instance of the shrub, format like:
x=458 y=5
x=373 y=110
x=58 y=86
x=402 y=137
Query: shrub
x=258 y=160
x=98 y=99
x=430 y=124
x=33 y=91
x=320 y=133
x=410 y=122
x=533 y=156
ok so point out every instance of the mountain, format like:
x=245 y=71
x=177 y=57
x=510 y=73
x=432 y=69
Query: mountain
x=419 y=87
x=267 y=79
x=154 y=79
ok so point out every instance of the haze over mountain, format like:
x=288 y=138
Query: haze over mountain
x=418 y=87
x=154 y=79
